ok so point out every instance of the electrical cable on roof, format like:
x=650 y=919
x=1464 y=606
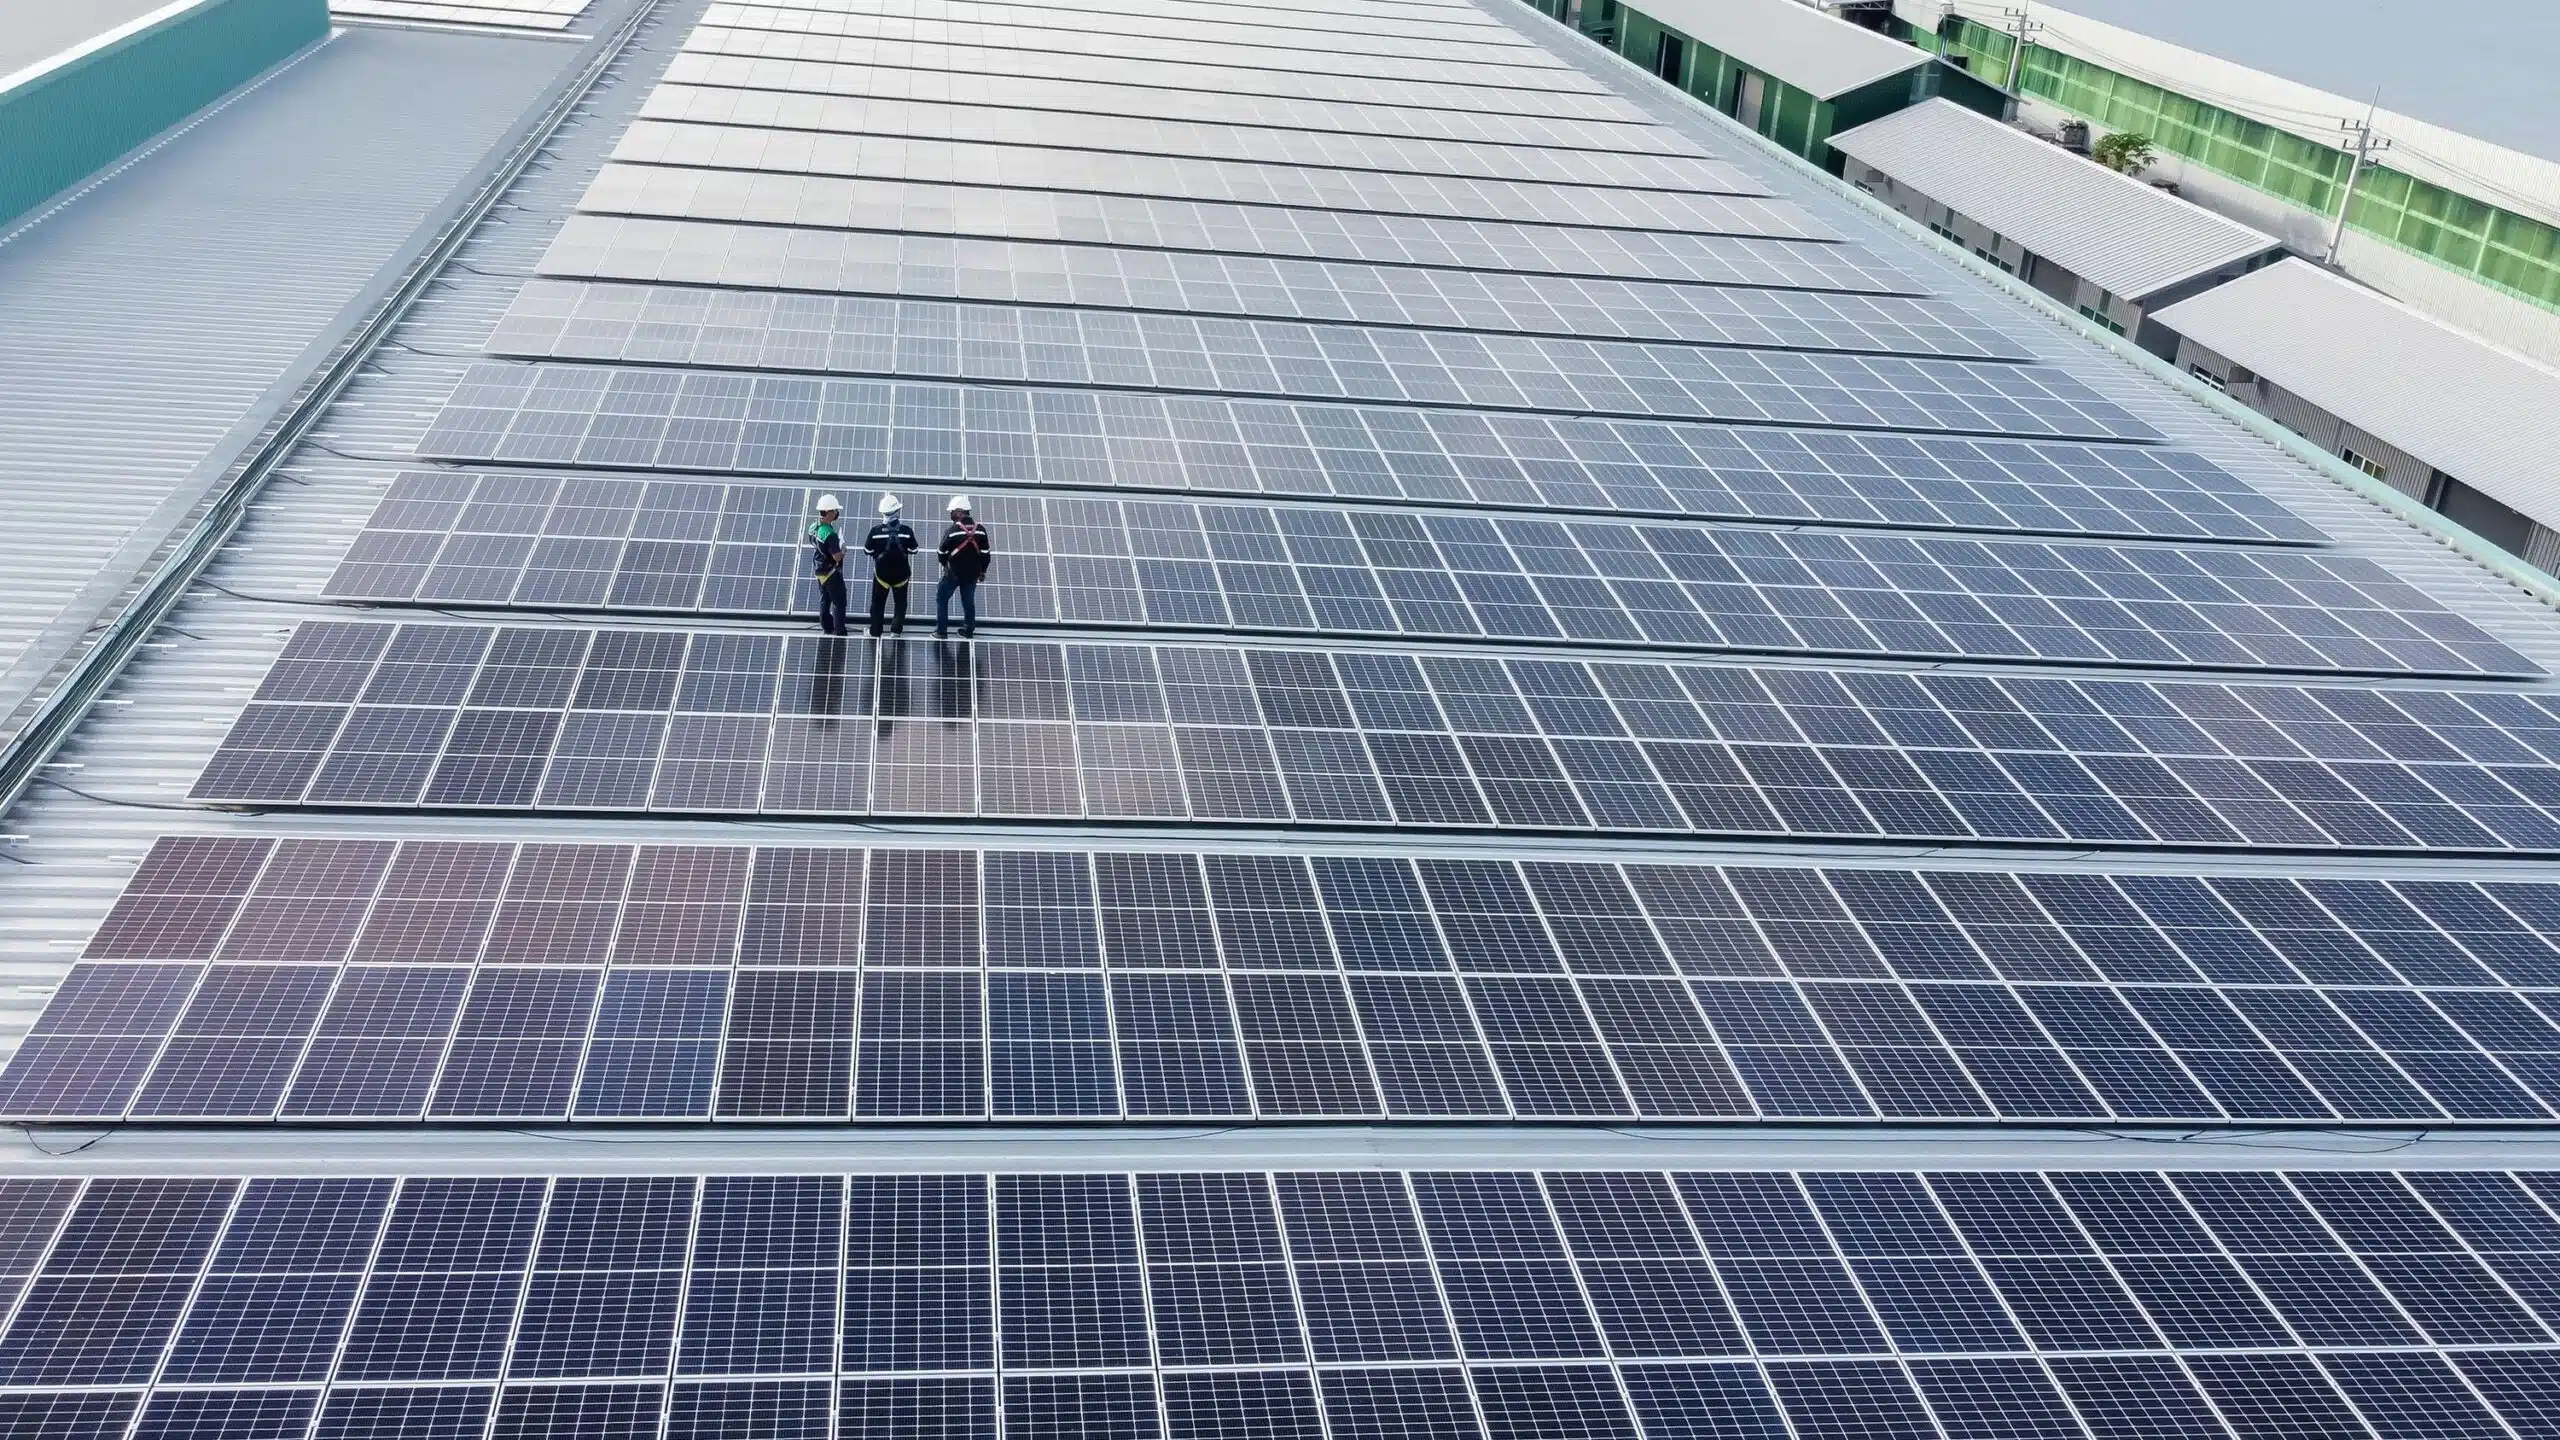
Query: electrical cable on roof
x=110 y=800
x=36 y=1145
x=363 y=459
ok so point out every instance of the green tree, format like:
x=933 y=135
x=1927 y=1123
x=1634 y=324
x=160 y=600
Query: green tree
x=2124 y=152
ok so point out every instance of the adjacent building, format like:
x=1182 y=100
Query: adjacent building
x=2104 y=244
x=1795 y=75
x=2435 y=413
x=2463 y=228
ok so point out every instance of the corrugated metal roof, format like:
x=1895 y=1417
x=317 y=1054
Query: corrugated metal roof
x=1817 y=53
x=2432 y=152
x=2124 y=235
x=2470 y=409
x=147 y=323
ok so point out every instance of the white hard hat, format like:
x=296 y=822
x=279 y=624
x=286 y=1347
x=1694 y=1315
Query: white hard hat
x=889 y=505
x=959 y=502
x=829 y=502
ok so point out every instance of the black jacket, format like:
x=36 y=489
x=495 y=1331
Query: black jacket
x=966 y=549
x=891 y=545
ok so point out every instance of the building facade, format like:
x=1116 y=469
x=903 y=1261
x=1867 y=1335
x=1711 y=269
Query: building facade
x=2467 y=230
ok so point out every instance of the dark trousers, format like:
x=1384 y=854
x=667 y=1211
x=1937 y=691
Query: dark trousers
x=880 y=599
x=968 y=605
x=831 y=603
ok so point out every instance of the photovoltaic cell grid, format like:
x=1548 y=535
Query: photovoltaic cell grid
x=478 y=717
x=1203 y=61
x=714 y=163
x=816 y=334
x=1397 y=23
x=1456 y=35
x=682 y=111
x=1477 y=1305
x=1228 y=95
x=1455 y=38
x=647 y=216
x=548 y=542
x=349 y=979
x=1152 y=280
x=1241 y=167
x=1214 y=445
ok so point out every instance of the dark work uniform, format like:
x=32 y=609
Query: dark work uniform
x=892 y=547
x=966 y=549
x=826 y=561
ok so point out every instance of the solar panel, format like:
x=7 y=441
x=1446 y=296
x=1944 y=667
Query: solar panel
x=1196 y=139
x=635 y=213
x=1181 y=354
x=1449 y=34
x=478 y=717
x=739 y=32
x=331 y=979
x=1148 y=280
x=1439 y=366
x=1215 y=94
x=1483 y=1304
x=1088 y=562
x=981 y=435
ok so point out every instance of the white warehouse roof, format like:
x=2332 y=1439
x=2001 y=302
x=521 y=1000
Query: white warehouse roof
x=2126 y=236
x=2474 y=411
x=1820 y=54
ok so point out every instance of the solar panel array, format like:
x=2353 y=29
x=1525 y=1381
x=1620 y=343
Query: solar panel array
x=1502 y=1305
x=715 y=722
x=984 y=435
x=350 y=979
x=547 y=311
x=1451 y=389
x=537 y=540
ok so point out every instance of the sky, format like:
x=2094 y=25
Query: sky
x=2483 y=67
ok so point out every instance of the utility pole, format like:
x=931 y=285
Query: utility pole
x=2363 y=146
x=2021 y=30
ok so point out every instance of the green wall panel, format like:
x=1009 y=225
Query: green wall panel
x=2500 y=248
x=67 y=124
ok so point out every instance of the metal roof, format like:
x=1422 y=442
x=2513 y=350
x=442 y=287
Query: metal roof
x=150 y=326
x=2464 y=406
x=2127 y=236
x=1817 y=53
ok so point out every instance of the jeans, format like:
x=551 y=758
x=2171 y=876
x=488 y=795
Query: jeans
x=968 y=605
x=831 y=604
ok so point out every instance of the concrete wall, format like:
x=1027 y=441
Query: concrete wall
x=62 y=121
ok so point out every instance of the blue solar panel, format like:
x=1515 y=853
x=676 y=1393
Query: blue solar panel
x=685 y=981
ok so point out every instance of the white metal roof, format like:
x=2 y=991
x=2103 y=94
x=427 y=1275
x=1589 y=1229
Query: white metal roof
x=2464 y=163
x=2464 y=406
x=2127 y=236
x=1820 y=54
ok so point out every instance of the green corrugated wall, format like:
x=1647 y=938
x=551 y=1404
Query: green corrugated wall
x=65 y=125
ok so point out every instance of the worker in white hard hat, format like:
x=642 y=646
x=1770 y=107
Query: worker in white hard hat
x=966 y=549
x=826 y=545
x=892 y=547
